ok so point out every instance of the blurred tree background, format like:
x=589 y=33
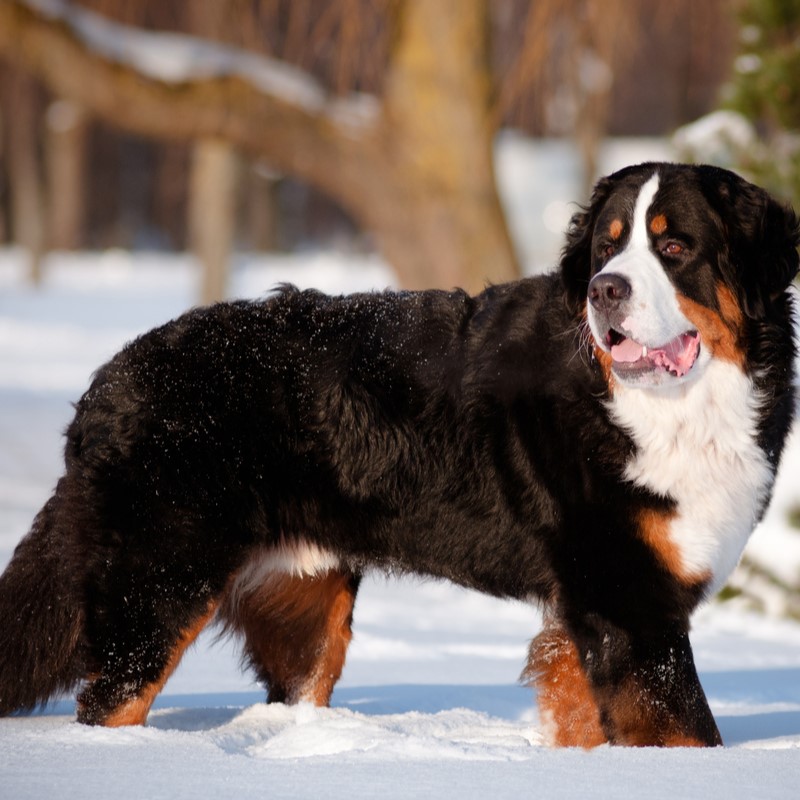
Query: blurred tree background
x=396 y=153
x=757 y=129
x=766 y=90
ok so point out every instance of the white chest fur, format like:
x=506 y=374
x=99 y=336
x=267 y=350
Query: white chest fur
x=697 y=445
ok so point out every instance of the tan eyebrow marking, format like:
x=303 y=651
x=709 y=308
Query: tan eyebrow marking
x=615 y=228
x=658 y=224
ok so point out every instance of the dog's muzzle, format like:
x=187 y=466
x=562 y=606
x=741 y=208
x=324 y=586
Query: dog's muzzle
x=609 y=295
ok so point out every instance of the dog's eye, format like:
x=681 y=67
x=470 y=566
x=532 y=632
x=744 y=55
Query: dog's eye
x=672 y=249
x=608 y=250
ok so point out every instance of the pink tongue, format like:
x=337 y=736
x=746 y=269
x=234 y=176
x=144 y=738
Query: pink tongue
x=627 y=350
x=680 y=353
x=677 y=355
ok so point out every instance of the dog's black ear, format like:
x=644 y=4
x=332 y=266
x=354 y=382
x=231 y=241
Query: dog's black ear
x=764 y=237
x=576 y=257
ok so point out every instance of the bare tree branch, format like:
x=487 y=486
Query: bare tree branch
x=415 y=167
x=303 y=131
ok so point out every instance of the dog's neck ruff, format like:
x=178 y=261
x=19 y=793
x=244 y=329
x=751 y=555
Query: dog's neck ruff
x=698 y=445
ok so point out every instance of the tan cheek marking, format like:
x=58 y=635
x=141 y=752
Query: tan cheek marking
x=564 y=696
x=603 y=358
x=718 y=331
x=615 y=228
x=658 y=224
x=606 y=362
x=729 y=307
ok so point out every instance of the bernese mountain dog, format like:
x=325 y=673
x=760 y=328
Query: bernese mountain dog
x=601 y=440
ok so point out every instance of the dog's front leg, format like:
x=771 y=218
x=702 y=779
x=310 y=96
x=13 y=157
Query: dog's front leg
x=644 y=683
x=567 y=709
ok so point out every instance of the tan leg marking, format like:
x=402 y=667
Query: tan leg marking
x=135 y=710
x=640 y=723
x=297 y=632
x=566 y=704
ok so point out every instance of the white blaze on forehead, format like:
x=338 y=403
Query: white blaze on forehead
x=639 y=236
x=654 y=316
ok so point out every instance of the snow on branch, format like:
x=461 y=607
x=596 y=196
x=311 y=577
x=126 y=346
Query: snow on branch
x=175 y=58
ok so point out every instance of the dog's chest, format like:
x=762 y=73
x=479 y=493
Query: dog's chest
x=698 y=446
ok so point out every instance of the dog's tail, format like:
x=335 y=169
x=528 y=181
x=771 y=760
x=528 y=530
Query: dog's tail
x=41 y=618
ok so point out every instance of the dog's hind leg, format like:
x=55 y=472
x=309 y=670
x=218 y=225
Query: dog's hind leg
x=296 y=629
x=134 y=668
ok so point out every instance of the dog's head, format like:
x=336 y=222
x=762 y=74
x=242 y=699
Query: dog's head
x=668 y=262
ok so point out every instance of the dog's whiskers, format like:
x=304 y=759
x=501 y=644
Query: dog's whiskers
x=583 y=343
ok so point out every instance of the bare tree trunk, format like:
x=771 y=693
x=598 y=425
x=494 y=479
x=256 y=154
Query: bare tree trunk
x=262 y=212
x=212 y=188
x=3 y=160
x=439 y=219
x=24 y=171
x=66 y=169
x=212 y=204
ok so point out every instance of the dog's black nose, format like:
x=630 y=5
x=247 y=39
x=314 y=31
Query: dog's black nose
x=607 y=291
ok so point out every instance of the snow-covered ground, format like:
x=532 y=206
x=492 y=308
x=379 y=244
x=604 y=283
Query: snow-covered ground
x=428 y=704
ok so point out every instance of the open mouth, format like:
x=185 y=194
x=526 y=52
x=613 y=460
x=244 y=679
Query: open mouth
x=676 y=357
